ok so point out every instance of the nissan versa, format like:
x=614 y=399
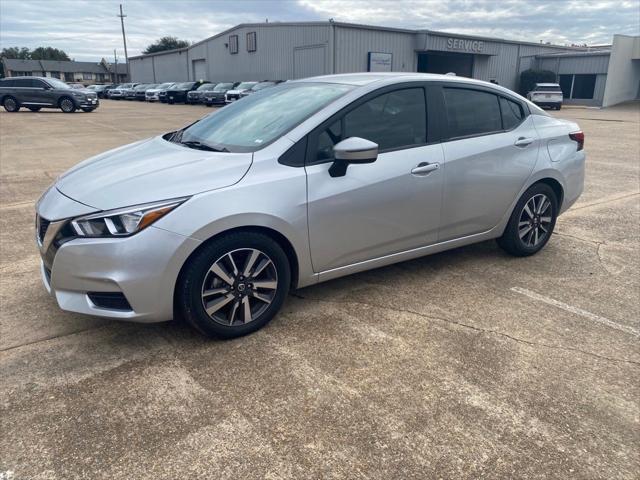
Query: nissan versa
x=300 y=183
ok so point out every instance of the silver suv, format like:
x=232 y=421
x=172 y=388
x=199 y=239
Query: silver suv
x=301 y=183
x=36 y=93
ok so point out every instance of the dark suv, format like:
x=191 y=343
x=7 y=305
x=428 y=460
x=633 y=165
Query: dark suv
x=35 y=93
x=178 y=93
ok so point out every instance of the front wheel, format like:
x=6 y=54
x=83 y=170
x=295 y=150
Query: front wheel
x=235 y=285
x=532 y=222
x=67 y=105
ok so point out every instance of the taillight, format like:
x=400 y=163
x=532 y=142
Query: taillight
x=578 y=137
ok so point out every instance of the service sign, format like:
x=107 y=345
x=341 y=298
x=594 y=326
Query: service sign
x=465 y=45
x=379 y=62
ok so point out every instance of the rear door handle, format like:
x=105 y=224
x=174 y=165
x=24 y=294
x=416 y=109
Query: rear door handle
x=524 y=142
x=425 y=168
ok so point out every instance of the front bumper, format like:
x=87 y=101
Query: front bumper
x=89 y=103
x=145 y=275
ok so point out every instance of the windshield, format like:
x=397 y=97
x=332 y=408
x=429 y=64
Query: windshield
x=207 y=86
x=547 y=88
x=245 y=85
x=165 y=85
x=185 y=85
x=55 y=83
x=262 y=85
x=258 y=120
x=221 y=87
x=143 y=87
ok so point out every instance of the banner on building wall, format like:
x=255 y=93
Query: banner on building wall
x=379 y=62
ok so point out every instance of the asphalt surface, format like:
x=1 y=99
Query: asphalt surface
x=465 y=364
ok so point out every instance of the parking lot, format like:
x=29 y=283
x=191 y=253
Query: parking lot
x=465 y=364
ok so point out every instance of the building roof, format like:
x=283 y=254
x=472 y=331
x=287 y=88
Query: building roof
x=20 y=65
x=593 y=53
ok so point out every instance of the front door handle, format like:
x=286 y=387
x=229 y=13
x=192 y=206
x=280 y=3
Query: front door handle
x=524 y=142
x=425 y=168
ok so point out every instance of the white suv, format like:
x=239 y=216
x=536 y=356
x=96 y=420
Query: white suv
x=546 y=95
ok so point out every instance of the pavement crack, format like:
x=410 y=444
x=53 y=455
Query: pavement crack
x=52 y=337
x=487 y=331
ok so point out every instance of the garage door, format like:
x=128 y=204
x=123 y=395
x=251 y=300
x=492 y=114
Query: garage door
x=199 y=70
x=309 y=61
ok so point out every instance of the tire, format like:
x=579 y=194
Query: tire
x=35 y=109
x=88 y=109
x=67 y=105
x=212 y=271
x=11 y=104
x=558 y=107
x=527 y=234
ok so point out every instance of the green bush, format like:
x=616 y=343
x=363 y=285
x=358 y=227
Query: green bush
x=529 y=78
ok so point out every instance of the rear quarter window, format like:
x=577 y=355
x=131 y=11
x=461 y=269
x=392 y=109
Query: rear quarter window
x=512 y=113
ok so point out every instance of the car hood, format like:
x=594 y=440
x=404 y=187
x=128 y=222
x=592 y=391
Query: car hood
x=148 y=171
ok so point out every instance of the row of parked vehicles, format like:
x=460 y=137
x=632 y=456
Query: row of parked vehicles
x=200 y=92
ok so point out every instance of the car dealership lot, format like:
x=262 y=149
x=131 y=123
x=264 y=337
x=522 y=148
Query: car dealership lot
x=462 y=364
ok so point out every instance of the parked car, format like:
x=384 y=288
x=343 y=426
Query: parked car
x=118 y=93
x=216 y=96
x=178 y=93
x=130 y=93
x=99 y=89
x=260 y=86
x=196 y=96
x=108 y=89
x=141 y=91
x=233 y=95
x=36 y=93
x=153 y=94
x=76 y=85
x=547 y=95
x=218 y=220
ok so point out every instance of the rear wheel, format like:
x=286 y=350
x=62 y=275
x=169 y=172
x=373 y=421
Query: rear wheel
x=10 y=104
x=34 y=109
x=532 y=222
x=235 y=285
x=67 y=105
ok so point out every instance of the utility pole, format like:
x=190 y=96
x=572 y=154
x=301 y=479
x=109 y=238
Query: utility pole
x=124 y=39
x=115 y=59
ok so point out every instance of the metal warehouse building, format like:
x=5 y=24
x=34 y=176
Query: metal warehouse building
x=280 y=51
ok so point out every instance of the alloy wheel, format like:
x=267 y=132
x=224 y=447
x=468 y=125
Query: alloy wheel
x=66 y=105
x=239 y=286
x=10 y=104
x=535 y=220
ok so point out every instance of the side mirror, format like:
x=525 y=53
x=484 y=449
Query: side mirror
x=352 y=150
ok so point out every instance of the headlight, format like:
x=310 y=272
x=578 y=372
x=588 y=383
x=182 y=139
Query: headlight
x=124 y=221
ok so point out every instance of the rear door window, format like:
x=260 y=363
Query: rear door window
x=471 y=112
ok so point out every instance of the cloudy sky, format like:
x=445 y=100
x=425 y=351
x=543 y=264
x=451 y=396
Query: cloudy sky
x=90 y=30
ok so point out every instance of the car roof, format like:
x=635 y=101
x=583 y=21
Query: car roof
x=362 y=79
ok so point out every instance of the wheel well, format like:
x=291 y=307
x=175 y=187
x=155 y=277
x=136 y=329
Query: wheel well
x=63 y=97
x=556 y=187
x=284 y=243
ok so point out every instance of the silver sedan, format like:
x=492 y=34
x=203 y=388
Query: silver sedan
x=301 y=183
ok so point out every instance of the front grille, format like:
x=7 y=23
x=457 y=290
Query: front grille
x=41 y=227
x=109 y=300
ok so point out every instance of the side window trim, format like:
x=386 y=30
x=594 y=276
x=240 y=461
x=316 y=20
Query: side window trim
x=445 y=128
x=312 y=143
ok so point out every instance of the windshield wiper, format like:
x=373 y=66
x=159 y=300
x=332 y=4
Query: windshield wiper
x=202 y=146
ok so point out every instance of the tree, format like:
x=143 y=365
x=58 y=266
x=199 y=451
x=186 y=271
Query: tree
x=49 y=53
x=166 y=43
x=16 y=52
